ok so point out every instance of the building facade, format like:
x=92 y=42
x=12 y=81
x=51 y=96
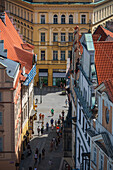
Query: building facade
x=49 y=26
x=18 y=69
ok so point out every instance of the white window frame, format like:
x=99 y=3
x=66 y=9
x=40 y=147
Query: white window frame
x=55 y=55
x=63 y=18
x=63 y=37
x=1 y=118
x=70 y=36
x=95 y=153
x=70 y=19
x=55 y=37
x=42 y=17
x=55 y=18
x=44 y=55
x=101 y=155
x=108 y=165
x=82 y=18
x=1 y=143
x=63 y=53
x=42 y=36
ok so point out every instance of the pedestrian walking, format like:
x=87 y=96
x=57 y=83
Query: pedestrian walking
x=63 y=112
x=43 y=153
x=66 y=101
x=52 y=122
x=47 y=126
x=35 y=157
x=42 y=131
x=43 y=117
x=52 y=111
x=40 y=157
x=38 y=130
x=40 y=116
x=35 y=168
x=50 y=163
x=36 y=151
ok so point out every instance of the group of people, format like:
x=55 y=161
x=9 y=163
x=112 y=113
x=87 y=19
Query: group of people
x=55 y=141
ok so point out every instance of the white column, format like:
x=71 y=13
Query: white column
x=76 y=17
x=50 y=35
x=36 y=18
x=59 y=18
x=67 y=18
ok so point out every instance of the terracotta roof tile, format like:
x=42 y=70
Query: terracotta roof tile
x=27 y=46
x=13 y=42
x=104 y=60
x=103 y=32
x=109 y=88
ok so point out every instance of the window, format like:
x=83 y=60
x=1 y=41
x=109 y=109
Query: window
x=12 y=9
x=80 y=116
x=18 y=12
x=0 y=96
x=83 y=19
x=31 y=17
x=70 y=37
x=63 y=19
x=95 y=155
x=42 y=37
x=42 y=19
x=31 y=36
x=28 y=16
x=55 y=55
x=28 y=34
x=62 y=37
x=55 y=37
x=24 y=14
x=0 y=118
x=24 y=32
x=62 y=55
x=69 y=53
x=70 y=19
x=109 y=166
x=55 y=19
x=15 y=10
x=79 y=152
x=101 y=162
x=83 y=124
x=1 y=144
x=42 y=55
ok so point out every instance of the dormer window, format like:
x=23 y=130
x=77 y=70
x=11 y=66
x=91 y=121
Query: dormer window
x=93 y=71
x=23 y=71
x=107 y=115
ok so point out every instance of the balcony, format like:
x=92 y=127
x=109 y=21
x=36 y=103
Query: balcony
x=45 y=62
x=83 y=103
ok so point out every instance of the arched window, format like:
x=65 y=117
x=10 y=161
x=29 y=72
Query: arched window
x=63 y=19
x=55 y=19
x=70 y=19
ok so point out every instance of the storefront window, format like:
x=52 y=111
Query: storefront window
x=57 y=81
x=43 y=80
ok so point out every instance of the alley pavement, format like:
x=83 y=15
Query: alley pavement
x=50 y=100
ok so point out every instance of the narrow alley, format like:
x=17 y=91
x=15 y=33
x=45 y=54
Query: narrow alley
x=49 y=101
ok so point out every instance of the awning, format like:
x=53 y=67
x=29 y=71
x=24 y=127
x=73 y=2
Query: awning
x=43 y=74
x=59 y=75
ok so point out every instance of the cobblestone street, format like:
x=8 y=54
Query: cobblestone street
x=50 y=100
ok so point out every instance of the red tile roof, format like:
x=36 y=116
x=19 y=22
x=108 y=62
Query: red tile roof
x=103 y=32
x=104 y=60
x=12 y=42
x=109 y=88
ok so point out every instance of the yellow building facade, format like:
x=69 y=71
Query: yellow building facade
x=49 y=26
